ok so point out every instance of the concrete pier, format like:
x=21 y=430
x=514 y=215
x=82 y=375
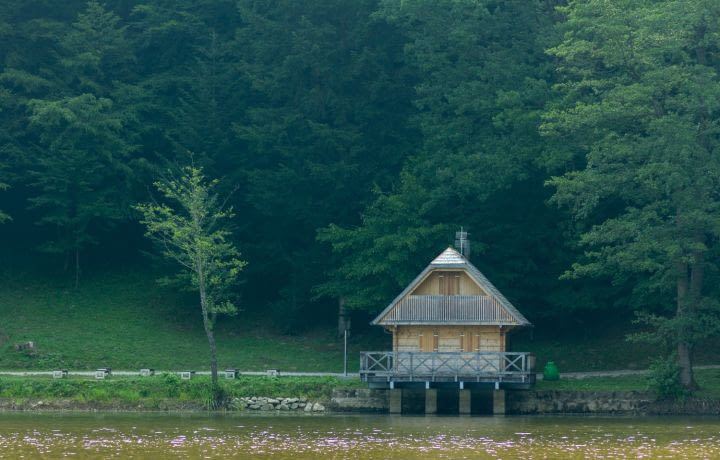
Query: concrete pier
x=431 y=401
x=464 y=404
x=396 y=401
x=498 y=402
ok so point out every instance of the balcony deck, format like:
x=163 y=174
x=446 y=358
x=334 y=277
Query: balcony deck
x=454 y=309
x=507 y=369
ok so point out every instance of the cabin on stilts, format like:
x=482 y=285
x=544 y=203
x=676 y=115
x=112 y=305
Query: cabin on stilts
x=449 y=326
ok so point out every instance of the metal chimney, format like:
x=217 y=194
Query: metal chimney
x=462 y=244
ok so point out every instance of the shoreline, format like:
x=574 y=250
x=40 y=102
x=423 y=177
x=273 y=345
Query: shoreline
x=363 y=401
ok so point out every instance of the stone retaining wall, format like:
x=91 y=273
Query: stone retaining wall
x=577 y=402
x=260 y=403
x=360 y=400
x=604 y=402
x=528 y=402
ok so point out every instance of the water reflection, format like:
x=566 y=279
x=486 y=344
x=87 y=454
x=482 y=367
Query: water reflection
x=198 y=436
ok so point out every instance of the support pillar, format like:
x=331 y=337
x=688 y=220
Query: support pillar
x=431 y=401
x=464 y=402
x=396 y=401
x=498 y=402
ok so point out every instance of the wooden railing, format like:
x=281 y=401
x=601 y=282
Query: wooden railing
x=418 y=309
x=466 y=366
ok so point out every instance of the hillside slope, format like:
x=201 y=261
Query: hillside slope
x=125 y=320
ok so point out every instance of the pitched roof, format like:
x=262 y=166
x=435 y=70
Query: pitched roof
x=459 y=309
x=449 y=256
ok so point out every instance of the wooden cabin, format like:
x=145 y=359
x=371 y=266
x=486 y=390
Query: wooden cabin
x=450 y=306
x=449 y=324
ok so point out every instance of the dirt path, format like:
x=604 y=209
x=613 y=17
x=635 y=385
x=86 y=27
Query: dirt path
x=137 y=373
x=565 y=375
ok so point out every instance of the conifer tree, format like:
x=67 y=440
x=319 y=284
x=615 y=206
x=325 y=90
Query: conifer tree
x=81 y=168
x=640 y=103
x=481 y=72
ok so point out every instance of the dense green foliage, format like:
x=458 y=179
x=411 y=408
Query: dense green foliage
x=576 y=141
x=640 y=100
x=664 y=379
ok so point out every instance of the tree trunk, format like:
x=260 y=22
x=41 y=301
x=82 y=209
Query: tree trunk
x=684 y=348
x=207 y=324
x=697 y=275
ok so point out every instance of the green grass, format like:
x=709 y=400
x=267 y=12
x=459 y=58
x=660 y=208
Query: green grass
x=598 y=346
x=600 y=351
x=166 y=387
x=124 y=320
x=708 y=379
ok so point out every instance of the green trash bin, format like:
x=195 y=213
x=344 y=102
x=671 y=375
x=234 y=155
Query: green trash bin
x=550 y=372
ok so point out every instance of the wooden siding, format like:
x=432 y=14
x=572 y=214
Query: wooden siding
x=419 y=309
x=448 y=338
x=442 y=281
x=407 y=340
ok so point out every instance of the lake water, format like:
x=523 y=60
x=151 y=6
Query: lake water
x=110 y=435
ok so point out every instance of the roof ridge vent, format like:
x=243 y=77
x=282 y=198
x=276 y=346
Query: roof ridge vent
x=448 y=257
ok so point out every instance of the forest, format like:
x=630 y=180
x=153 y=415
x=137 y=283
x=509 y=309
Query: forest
x=577 y=142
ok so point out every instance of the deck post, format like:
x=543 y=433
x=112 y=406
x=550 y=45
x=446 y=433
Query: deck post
x=431 y=401
x=498 y=402
x=396 y=401
x=464 y=402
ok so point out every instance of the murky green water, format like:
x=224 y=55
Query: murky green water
x=53 y=435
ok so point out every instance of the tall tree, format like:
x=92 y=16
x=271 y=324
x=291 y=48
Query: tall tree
x=82 y=164
x=482 y=77
x=325 y=120
x=30 y=33
x=79 y=176
x=641 y=103
x=192 y=230
x=191 y=97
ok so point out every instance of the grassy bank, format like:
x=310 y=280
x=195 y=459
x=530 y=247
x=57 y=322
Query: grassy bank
x=162 y=391
x=708 y=379
x=169 y=392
